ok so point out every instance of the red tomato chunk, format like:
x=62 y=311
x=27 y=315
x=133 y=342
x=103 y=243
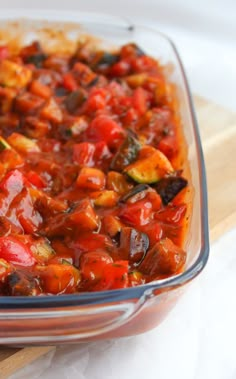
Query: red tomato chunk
x=91 y=195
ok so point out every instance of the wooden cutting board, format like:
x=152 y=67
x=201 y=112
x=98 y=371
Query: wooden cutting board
x=218 y=132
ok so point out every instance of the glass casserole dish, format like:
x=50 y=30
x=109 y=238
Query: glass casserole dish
x=129 y=311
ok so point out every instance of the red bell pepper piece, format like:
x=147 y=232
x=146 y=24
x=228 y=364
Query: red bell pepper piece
x=69 y=82
x=14 y=251
x=92 y=265
x=140 y=101
x=136 y=214
x=4 y=52
x=106 y=129
x=115 y=276
x=83 y=154
x=35 y=179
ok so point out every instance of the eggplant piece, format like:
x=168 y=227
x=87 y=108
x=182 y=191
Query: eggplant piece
x=74 y=100
x=165 y=258
x=138 y=50
x=135 y=244
x=42 y=250
x=34 y=54
x=169 y=187
x=107 y=59
x=37 y=59
x=20 y=283
x=134 y=191
x=94 y=82
x=60 y=91
x=134 y=49
x=126 y=154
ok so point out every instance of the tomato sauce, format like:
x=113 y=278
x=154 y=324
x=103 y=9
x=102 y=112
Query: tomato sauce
x=91 y=197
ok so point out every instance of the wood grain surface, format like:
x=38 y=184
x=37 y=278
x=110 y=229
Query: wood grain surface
x=218 y=132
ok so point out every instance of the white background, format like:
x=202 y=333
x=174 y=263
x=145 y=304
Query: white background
x=198 y=339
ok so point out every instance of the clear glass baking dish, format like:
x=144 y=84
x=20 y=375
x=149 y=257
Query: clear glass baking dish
x=110 y=314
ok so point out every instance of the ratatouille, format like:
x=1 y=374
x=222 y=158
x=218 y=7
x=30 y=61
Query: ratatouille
x=91 y=197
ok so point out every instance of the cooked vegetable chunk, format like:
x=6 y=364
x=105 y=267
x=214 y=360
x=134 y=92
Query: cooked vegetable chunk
x=91 y=178
x=169 y=187
x=59 y=278
x=14 y=75
x=126 y=154
x=151 y=169
x=23 y=144
x=135 y=245
x=107 y=199
x=165 y=258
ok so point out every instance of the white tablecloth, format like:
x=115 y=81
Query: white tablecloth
x=198 y=339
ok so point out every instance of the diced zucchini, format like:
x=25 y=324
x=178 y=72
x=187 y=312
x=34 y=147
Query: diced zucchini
x=42 y=250
x=136 y=80
x=107 y=199
x=66 y=262
x=78 y=125
x=151 y=169
x=126 y=154
x=14 y=75
x=3 y=144
x=23 y=144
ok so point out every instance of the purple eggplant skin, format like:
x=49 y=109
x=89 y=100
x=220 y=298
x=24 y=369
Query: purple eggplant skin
x=37 y=57
x=126 y=154
x=137 y=243
x=169 y=187
x=107 y=59
x=134 y=191
x=20 y=283
x=74 y=100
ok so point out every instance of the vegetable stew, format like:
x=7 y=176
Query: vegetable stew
x=91 y=193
